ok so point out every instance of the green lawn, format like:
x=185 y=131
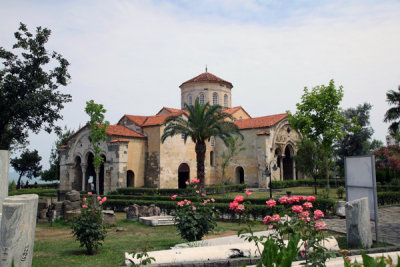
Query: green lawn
x=55 y=246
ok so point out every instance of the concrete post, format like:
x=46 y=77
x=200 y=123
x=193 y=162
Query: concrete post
x=4 y=176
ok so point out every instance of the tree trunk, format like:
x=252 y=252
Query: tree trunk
x=97 y=171
x=327 y=176
x=19 y=186
x=223 y=182
x=200 y=158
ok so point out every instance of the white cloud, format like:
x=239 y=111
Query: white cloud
x=131 y=56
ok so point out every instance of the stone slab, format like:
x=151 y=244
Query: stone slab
x=358 y=224
x=17 y=230
x=157 y=220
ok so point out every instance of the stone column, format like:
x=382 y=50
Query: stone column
x=83 y=169
x=97 y=171
x=281 y=168
x=4 y=176
x=17 y=230
x=107 y=180
x=294 y=169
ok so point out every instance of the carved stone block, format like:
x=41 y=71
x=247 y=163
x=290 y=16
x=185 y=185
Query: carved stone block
x=358 y=224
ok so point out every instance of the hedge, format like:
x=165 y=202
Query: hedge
x=388 y=198
x=174 y=191
x=38 y=191
x=306 y=182
x=45 y=186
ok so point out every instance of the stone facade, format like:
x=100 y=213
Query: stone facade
x=135 y=157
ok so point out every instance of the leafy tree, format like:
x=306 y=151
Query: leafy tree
x=28 y=165
x=234 y=147
x=393 y=114
x=319 y=118
x=358 y=133
x=310 y=159
x=200 y=123
x=53 y=173
x=98 y=128
x=29 y=81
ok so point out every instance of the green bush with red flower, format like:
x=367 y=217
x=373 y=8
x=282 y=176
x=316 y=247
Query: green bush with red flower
x=196 y=218
x=296 y=221
x=88 y=228
x=388 y=157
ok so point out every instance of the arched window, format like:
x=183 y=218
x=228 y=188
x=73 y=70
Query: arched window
x=201 y=98
x=215 y=99
x=190 y=100
x=211 y=158
x=225 y=100
x=212 y=141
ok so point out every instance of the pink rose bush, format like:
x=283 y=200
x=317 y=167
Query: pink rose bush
x=290 y=216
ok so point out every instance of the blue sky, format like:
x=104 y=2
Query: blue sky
x=131 y=56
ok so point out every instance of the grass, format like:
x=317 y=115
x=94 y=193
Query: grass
x=55 y=246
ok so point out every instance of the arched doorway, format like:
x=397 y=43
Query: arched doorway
x=239 y=175
x=288 y=163
x=77 y=185
x=183 y=175
x=91 y=174
x=130 y=179
x=101 y=176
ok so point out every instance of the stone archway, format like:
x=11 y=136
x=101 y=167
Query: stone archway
x=183 y=175
x=239 y=175
x=91 y=174
x=288 y=163
x=130 y=179
x=78 y=174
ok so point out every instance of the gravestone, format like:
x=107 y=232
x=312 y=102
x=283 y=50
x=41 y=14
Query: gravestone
x=4 y=177
x=132 y=212
x=358 y=225
x=17 y=230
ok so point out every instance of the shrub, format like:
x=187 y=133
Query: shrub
x=306 y=182
x=88 y=228
x=388 y=198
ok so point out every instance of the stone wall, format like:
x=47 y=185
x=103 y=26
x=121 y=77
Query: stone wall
x=194 y=89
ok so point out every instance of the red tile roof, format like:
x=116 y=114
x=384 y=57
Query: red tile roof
x=207 y=77
x=234 y=109
x=120 y=130
x=147 y=121
x=170 y=110
x=138 y=120
x=119 y=140
x=63 y=146
x=260 y=122
x=263 y=133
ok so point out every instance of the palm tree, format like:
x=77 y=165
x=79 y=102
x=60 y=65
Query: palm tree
x=393 y=114
x=200 y=123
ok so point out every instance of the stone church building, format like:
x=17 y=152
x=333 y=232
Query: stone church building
x=135 y=157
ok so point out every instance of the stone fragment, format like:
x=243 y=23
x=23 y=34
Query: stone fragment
x=340 y=208
x=132 y=212
x=154 y=211
x=76 y=205
x=69 y=215
x=43 y=214
x=120 y=229
x=143 y=211
x=72 y=196
x=109 y=218
x=358 y=224
x=17 y=230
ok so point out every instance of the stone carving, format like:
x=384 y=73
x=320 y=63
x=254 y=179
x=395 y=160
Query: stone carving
x=358 y=224
x=340 y=208
x=135 y=211
x=109 y=218
x=73 y=196
x=17 y=230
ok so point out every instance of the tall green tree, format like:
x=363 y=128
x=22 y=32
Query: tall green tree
x=29 y=82
x=27 y=164
x=98 y=127
x=319 y=118
x=200 y=124
x=393 y=114
x=53 y=173
x=358 y=133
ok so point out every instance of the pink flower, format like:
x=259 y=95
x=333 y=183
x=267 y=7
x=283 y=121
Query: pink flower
x=233 y=205
x=180 y=203
x=203 y=195
x=248 y=192
x=307 y=205
x=320 y=225
x=100 y=202
x=239 y=198
x=84 y=206
x=348 y=259
x=189 y=202
x=193 y=207
x=212 y=200
x=304 y=216
x=195 y=181
x=318 y=215
x=197 y=192
x=267 y=219
x=89 y=193
x=276 y=218
x=104 y=199
x=271 y=203
x=302 y=198
x=283 y=200
x=84 y=199
x=173 y=197
x=187 y=182
x=311 y=198
x=240 y=208
x=293 y=199
x=297 y=208
x=98 y=198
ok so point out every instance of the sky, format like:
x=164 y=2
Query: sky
x=131 y=56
